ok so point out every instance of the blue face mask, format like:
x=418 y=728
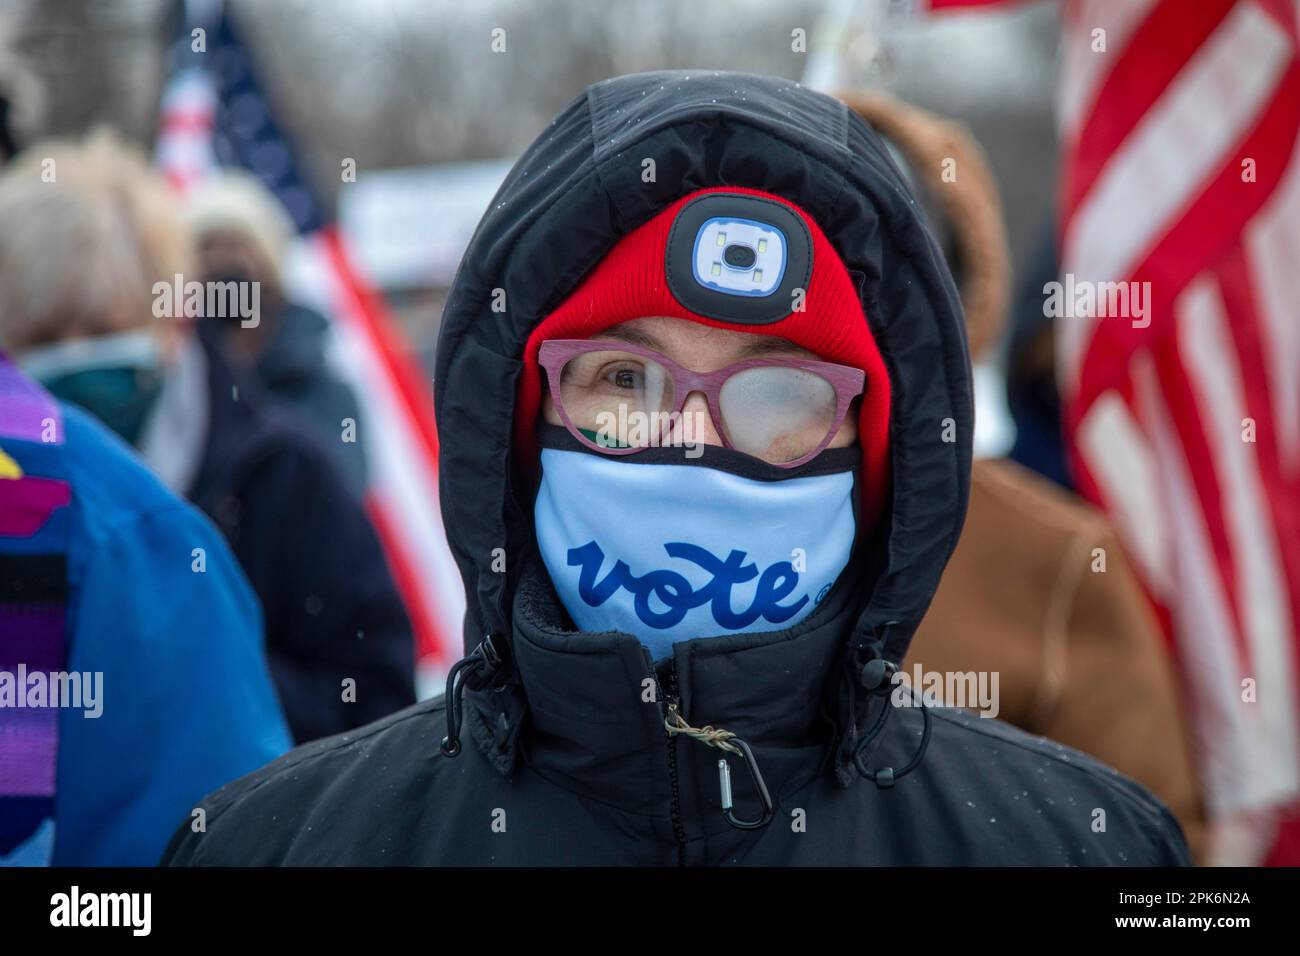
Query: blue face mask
x=670 y=552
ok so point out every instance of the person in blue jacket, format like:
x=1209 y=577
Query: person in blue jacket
x=133 y=675
x=108 y=576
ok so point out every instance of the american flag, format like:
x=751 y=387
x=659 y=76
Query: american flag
x=1181 y=169
x=1178 y=124
x=216 y=114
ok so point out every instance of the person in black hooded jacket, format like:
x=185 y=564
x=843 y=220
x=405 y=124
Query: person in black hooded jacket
x=704 y=400
x=339 y=641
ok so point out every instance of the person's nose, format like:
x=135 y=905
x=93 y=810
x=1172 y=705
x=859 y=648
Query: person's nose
x=696 y=425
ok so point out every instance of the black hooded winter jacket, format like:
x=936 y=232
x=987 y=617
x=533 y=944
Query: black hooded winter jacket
x=561 y=754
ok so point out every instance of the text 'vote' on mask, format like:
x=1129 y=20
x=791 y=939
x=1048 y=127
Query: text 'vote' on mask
x=670 y=552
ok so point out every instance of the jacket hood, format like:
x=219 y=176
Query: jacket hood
x=579 y=188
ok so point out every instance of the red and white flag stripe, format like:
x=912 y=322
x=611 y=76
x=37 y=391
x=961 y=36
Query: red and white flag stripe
x=400 y=441
x=1182 y=170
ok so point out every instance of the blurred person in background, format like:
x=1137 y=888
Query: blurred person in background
x=106 y=577
x=241 y=232
x=1075 y=642
x=337 y=635
x=1032 y=396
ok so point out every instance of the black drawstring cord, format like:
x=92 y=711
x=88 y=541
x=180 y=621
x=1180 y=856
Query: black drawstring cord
x=478 y=666
x=878 y=679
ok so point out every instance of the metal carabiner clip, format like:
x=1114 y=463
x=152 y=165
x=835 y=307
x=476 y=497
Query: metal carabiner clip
x=724 y=781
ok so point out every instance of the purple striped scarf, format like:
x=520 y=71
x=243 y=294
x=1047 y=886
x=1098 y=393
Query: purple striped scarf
x=33 y=596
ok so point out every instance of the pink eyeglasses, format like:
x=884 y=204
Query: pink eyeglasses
x=620 y=399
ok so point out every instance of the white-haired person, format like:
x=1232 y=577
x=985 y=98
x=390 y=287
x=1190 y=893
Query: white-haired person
x=132 y=672
x=242 y=235
x=89 y=242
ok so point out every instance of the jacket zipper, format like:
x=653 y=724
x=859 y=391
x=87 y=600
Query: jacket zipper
x=671 y=700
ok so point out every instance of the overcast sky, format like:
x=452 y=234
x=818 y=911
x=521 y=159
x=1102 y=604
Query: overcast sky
x=408 y=82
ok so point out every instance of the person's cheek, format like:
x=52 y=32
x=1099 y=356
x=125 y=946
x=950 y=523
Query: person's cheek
x=549 y=413
x=848 y=430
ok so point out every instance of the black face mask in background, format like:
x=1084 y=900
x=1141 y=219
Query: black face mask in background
x=239 y=276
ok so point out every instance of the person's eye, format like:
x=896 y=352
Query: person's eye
x=624 y=376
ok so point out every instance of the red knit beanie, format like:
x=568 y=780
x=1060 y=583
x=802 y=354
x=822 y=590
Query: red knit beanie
x=630 y=283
